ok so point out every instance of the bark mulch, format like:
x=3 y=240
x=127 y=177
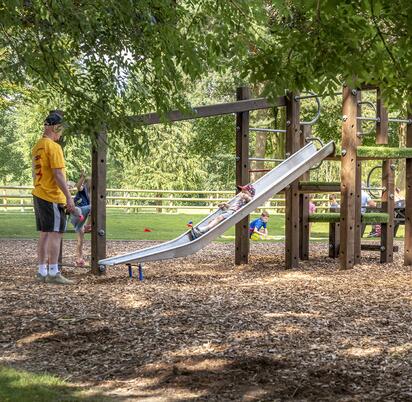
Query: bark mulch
x=200 y=328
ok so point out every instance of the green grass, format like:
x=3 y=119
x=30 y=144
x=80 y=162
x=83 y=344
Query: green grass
x=123 y=226
x=334 y=217
x=23 y=386
x=384 y=152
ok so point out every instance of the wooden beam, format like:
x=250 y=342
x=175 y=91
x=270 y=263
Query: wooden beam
x=312 y=187
x=388 y=182
x=382 y=125
x=334 y=239
x=377 y=247
x=98 y=195
x=348 y=179
x=242 y=176
x=358 y=185
x=292 y=192
x=304 y=225
x=407 y=260
x=239 y=106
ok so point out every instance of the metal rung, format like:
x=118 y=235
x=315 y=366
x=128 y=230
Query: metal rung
x=317 y=96
x=407 y=121
x=267 y=130
x=316 y=118
x=266 y=160
x=372 y=105
x=377 y=119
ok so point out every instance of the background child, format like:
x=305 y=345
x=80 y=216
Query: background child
x=246 y=194
x=259 y=225
x=333 y=203
x=312 y=206
x=82 y=201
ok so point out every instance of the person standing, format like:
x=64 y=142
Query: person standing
x=51 y=196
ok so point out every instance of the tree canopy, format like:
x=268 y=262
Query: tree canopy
x=103 y=61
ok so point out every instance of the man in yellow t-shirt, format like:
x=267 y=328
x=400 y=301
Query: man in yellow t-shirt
x=50 y=196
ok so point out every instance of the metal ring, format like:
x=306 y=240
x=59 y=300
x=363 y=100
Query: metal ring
x=371 y=104
x=315 y=139
x=316 y=118
x=369 y=190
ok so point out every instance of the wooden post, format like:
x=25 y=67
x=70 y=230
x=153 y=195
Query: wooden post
x=242 y=176
x=388 y=182
x=292 y=192
x=358 y=185
x=304 y=234
x=334 y=238
x=407 y=259
x=348 y=179
x=98 y=200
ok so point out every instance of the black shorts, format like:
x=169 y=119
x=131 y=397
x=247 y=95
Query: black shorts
x=50 y=217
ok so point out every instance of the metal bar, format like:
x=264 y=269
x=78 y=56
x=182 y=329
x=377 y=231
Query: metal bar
x=208 y=111
x=407 y=121
x=300 y=97
x=242 y=176
x=267 y=130
x=364 y=118
x=266 y=160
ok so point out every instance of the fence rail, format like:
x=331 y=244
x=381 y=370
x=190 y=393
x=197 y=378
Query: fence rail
x=19 y=198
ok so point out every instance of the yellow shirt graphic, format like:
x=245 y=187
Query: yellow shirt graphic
x=47 y=155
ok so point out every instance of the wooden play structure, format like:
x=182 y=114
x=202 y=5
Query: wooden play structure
x=345 y=225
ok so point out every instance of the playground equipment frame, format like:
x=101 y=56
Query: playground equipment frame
x=297 y=200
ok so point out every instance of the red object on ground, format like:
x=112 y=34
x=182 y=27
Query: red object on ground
x=147 y=230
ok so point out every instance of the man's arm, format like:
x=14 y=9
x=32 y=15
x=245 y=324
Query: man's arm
x=61 y=182
x=80 y=182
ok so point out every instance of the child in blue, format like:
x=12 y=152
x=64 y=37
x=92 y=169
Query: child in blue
x=81 y=201
x=259 y=225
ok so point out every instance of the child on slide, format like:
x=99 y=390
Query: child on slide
x=246 y=194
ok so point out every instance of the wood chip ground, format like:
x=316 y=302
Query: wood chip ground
x=200 y=328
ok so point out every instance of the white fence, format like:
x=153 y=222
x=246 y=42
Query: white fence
x=19 y=198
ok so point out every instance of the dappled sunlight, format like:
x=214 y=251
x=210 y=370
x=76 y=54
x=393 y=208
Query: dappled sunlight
x=204 y=329
x=400 y=349
x=202 y=349
x=362 y=351
x=35 y=338
x=130 y=300
x=292 y=314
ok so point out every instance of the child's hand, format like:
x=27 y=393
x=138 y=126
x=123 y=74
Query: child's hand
x=223 y=205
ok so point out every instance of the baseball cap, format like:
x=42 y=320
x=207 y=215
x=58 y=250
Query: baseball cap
x=54 y=117
x=248 y=188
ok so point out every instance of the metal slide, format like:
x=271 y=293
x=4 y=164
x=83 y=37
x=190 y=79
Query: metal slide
x=266 y=187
